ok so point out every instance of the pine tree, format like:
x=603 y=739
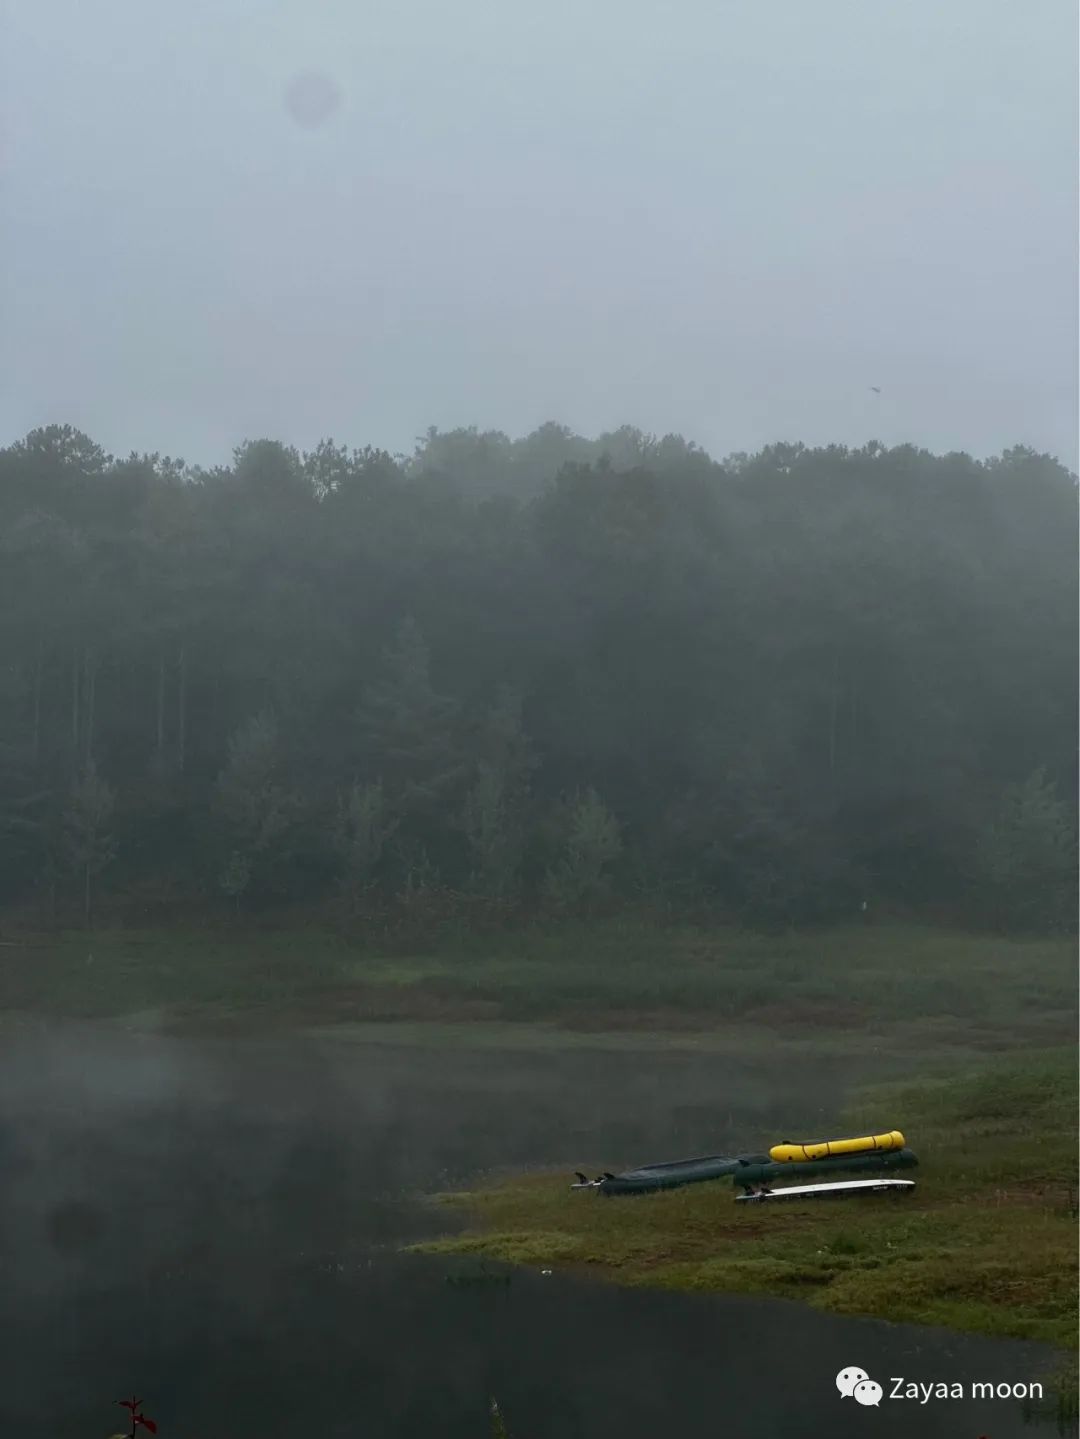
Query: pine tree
x=592 y=845
x=494 y=814
x=1027 y=858
x=87 y=843
x=360 y=840
x=407 y=730
x=256 y=808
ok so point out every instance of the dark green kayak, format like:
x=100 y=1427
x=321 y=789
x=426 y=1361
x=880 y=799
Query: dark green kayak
x=651 y=1177
x=762 y=1173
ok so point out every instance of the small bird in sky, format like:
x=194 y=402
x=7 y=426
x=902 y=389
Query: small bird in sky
x=876 y=389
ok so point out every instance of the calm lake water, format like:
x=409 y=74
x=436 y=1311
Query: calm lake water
x=216 y=1227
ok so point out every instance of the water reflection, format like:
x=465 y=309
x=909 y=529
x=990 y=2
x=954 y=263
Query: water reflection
x=220 y=1227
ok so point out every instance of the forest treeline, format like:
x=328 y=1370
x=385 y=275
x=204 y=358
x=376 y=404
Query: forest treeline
x=551 y=672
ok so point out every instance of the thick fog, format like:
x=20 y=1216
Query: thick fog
x=732 y=220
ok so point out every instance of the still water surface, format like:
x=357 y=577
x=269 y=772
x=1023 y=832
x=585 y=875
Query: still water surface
x=217 y=1228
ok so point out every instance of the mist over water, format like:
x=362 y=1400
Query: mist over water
x=217 y=1228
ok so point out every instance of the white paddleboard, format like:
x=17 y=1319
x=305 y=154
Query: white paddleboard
x=828 y=1191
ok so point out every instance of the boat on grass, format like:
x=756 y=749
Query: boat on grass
x=788 y=1153
x=652 y=1177
x=750 y=1174
x=870 y=1154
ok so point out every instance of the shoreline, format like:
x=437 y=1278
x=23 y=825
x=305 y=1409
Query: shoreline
x=863 y=991
x=987 y=1244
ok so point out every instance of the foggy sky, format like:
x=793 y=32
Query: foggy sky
x=727 y=218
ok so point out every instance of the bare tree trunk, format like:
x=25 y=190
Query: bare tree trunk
x=90 y=665
x=75 y=680
x=160 y=709
x=181 y=707
x=37 y=701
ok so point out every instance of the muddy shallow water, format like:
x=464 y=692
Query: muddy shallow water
x=216 y=1227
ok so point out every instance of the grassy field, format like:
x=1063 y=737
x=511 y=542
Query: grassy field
x=918 y=988
x=987 y=1243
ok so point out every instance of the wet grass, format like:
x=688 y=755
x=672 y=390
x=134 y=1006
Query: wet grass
x=987 y=1243
x=929 y=989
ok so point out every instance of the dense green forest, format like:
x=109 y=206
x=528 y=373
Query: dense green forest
x=550 y=673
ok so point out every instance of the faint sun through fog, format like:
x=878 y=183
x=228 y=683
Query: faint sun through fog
x=312 y=98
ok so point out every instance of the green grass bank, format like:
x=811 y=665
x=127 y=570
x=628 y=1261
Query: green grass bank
x=920 y=989
x=987 y=1243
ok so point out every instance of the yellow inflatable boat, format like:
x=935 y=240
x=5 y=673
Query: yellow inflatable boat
x=831 y=1148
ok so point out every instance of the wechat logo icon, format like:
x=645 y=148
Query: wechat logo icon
x=856 y=1384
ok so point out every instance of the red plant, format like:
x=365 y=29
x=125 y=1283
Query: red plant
x=138 y=1419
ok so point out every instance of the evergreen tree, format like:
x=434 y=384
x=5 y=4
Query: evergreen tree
x=87 y=841
x=1028 y=857
x=592 y=845
x=494 y=816
x=255 y=807
x=792 y=676
x=408 y=741
x=361 y=838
